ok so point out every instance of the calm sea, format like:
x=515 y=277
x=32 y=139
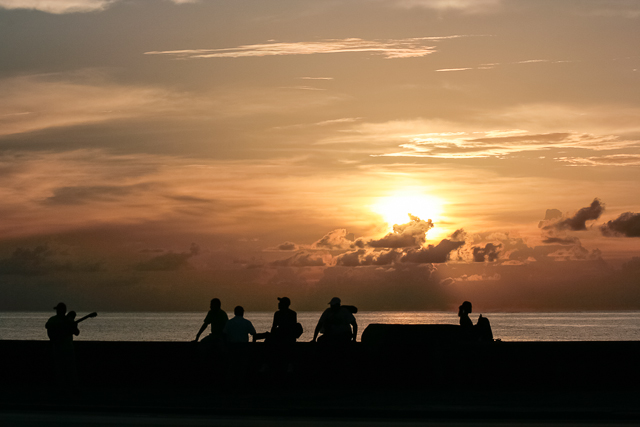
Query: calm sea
x=582 y=326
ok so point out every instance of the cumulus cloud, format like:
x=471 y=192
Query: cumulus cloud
x=562 y=240
x=437 y=254
x=363 y=257
x=550 y=215
x=627 y=225
x=300 y=259
x=489 y=253
x=578 y=221
x=287 y=246
x=170 y=261
x=459 y=235
x=335 y=240
x=413 y=233
x=390 y=48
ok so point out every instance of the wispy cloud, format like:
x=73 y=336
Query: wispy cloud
x=610 y=160
x=58 y=6
x=67 y=6
x=490 y=66
x=303 y=88
x=455 y=69
x=31 y=103
x=468 y=6
x=391 y=48
x=470 y=146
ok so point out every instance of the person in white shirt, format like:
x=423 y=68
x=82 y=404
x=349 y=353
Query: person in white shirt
x=238 y=329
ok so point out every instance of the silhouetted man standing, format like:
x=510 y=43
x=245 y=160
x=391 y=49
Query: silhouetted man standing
x=60 y=330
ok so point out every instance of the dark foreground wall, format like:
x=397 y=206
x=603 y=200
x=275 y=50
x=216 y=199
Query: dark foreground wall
x=434 y=377
x=497 y=365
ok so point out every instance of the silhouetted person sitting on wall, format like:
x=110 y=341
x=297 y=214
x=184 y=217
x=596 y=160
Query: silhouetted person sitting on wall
x=463 y=313
x=238 y=329
x=60 y=330
x=217 y=318
x=337 y=324
x=285 y=328
x=284 y=332
x=480 y=332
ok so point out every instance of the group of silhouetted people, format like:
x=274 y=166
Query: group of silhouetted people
x=337 y=326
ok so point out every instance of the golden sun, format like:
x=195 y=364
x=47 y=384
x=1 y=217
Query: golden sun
x=395 y=209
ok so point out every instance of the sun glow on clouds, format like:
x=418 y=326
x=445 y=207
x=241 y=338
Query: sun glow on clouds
x=395 y=209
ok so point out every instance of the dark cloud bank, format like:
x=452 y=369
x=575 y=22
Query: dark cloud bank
x=400 y=271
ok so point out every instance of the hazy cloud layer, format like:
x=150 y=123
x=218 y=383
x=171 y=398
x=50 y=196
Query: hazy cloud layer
x=391 y=49
x=42 y=260
x=300 y=259
x=468 y=6
x=37 y=102
x=168 y=262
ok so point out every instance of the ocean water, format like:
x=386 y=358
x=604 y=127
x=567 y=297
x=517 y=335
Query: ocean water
x=579 y=326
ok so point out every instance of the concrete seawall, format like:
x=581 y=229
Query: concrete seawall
x=528 y=365
x=398 y=373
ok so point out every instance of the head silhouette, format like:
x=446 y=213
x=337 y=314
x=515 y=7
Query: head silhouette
x=61 y=309
x=238 y=311
x=284 y=302
x=71 y=315
x=464 y=309
x=215 y=304
x=335 y=303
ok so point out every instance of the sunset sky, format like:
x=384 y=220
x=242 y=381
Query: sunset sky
x=400 y=154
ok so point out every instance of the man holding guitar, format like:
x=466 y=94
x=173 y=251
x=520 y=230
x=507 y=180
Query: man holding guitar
x=61 y=328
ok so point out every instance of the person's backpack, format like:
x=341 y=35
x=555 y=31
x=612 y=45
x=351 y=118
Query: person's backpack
x=483 y=329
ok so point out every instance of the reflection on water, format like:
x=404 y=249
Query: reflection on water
x=583 y=326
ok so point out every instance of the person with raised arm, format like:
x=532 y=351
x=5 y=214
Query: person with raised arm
x=217 y=318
